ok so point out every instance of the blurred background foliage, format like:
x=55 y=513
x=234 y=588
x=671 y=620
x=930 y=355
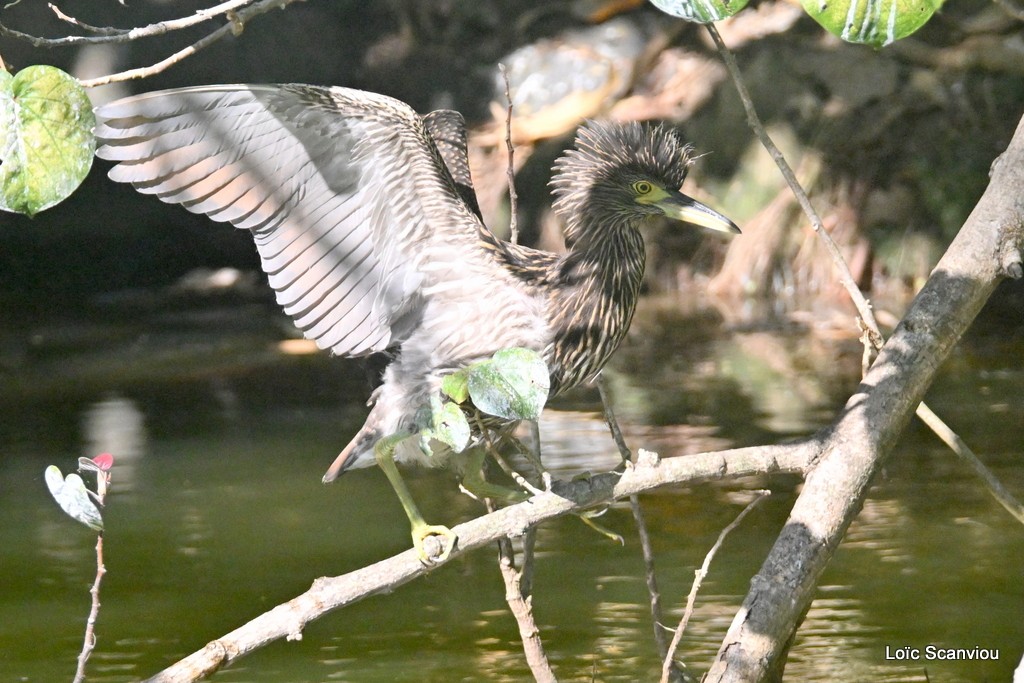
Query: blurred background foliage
x=894 y=145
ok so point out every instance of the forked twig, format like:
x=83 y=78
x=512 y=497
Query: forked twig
x=235 y=25
x=119 y=35
x=237 y=13
x=110 y=34
x=646 y=549
x=669 y=661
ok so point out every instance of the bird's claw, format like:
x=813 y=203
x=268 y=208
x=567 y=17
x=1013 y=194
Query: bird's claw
x=444 y=542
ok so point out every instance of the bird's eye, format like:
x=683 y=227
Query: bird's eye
x=642 y=187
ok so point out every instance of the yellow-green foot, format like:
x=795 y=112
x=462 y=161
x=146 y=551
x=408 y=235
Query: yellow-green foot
x=587 y=517
x=445 y=539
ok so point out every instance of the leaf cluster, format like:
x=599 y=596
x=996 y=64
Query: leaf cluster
x=513 y=385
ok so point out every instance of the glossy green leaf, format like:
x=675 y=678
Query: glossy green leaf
x=456 y=386
x=700 y=11
x=72 y=496
x=876 y=23
x=46 y=139
x=448 y=424
x=513 y=384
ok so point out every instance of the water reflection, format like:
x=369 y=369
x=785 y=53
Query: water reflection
x=116 y=425
x=217 y=513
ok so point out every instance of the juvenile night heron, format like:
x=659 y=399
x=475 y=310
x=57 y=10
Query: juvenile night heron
x=365 y=220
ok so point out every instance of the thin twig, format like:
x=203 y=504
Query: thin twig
x=613 y=424
x=500 y=459
x=646 y=549
x=953 y=440
x=869 y=325
x=89 y=641
x=519 y=583
x=845 y=276
x=109 y=34
x=513 y=198
x=668 y=663
x=653 y=592
x=105 y=31
x=236 y=21
x=161 y=27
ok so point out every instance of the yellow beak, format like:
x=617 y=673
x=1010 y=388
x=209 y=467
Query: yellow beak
x=688 y=210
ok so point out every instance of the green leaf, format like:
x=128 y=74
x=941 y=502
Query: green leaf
x=513 y=384
x=46 y=139
x=456 y=386
x=448 y=424
x=700 y=11
x=73 y=498
x=877 y=23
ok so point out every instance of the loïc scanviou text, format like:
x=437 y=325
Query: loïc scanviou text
x=936 y=652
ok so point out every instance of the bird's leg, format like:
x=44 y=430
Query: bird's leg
x=531 y=451
x=384 y=452
x=476 y=483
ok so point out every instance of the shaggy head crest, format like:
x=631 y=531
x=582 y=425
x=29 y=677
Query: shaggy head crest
x=609 y=156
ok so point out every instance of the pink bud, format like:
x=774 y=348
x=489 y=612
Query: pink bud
x=104 y=461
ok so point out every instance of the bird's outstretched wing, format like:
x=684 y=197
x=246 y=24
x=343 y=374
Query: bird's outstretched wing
x=342 y=189
x=448 y=129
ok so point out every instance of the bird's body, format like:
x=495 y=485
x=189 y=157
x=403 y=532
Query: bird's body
x=367 y=227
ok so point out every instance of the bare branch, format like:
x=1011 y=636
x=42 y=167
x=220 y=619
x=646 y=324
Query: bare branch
x=845 y=276
x=520 y=602
x=238 y=12
x=99 y=30
x=161 y=27
x=513 y=198
x=109 y=34
x=89 y=641
x=669 y=664
x=953 y=440
x=646 y=549
x=234 y=26
x=327 y=594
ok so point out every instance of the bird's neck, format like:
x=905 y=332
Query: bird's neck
x=598 y=283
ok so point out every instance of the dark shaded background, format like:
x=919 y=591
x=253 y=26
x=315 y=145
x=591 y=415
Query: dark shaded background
x=904 y=122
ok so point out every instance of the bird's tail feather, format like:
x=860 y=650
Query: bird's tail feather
x=357 y=449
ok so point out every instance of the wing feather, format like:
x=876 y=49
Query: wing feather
x=341 y=189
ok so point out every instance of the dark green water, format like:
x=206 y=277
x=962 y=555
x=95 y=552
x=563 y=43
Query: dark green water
x=218 y=514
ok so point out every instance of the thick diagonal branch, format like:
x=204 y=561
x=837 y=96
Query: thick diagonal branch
x=327 y=594
x=867 y=430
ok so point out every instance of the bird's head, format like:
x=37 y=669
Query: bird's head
x=618 y=174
